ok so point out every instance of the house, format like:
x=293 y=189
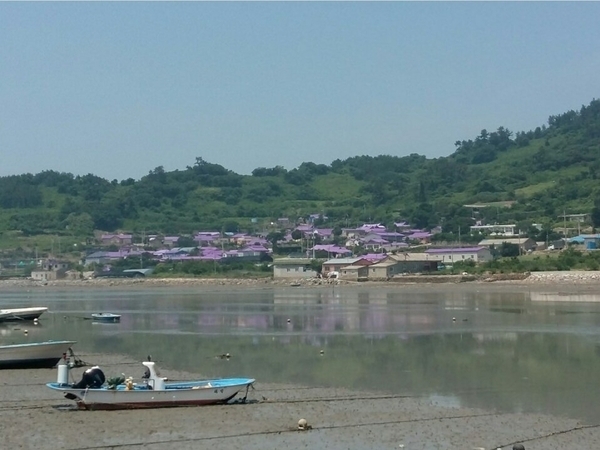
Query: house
x=44 y=275
x=450 y=255
x=336 y=264
x=403 y=263
x=207 y=237
x=331 y=249
x=170 y=241
x=354 y=273
x=373 y=242
x=495 y=230
x=589 y=241
x=116 y=239
x=293 y=268
x=422 y=237
x=525 y=244
x=54 y=265
x=50 y=269
x=581 y=218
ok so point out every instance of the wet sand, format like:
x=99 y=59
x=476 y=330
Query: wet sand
x=34 y=417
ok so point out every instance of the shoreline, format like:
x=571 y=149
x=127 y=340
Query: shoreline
x=535 y=279
x=340 y=419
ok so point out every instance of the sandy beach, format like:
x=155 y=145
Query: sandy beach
x=34 y=417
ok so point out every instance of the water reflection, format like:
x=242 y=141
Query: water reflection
x=506 y=351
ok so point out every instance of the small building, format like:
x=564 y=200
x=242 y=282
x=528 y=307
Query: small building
x=403 y=263
x=495 y=230
x=581 y=218
x=450 y=255
x=354 y=273
x=116 y=239
x=44 y=275
x=589 y=241
x=293 y=268
x=336 y=264
x=525 y=244
x=54 y=264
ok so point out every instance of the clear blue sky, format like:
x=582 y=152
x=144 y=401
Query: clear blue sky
x=118 y=89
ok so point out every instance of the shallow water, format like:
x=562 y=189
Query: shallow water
x=507 y=350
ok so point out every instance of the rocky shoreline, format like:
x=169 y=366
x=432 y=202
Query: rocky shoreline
x=533 y=279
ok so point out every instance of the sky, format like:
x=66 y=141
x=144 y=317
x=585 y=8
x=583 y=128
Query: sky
x=118 y=89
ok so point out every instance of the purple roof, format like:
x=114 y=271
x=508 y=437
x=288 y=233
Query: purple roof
x=374 y=256
x=372 y=227
x=420 y=235
x=304 y=228
x=454 y=250
x=374 y=240
x=255 y=248
x=331 y=249
x=324 y=231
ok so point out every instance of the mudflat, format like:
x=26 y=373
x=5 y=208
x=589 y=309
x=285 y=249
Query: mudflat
x=34 y=417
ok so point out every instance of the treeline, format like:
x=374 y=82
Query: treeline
x=544 y=172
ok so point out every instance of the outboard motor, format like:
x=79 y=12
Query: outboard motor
x=91 y=378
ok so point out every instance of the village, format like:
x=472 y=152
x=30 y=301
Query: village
x=302 y=249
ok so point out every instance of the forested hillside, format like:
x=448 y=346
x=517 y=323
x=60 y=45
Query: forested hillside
x=545 y=172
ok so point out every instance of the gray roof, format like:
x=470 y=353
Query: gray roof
x=344 y=261
x=291 y=261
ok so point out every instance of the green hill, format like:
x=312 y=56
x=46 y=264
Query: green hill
x=542 y=174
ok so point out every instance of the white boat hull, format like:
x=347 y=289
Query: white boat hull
x=195 y=393
x=33 y=355
x=16 y=314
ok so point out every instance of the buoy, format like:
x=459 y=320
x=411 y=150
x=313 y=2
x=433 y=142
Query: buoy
x=518 y=447
x=25 y=331
x=454 y=319
x=322 y=352
x=289 y=320
x=35 y=321
x=303 y=425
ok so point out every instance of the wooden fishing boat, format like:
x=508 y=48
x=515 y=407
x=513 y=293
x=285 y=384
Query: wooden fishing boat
x=33 y=355
x=106 y=317
x=94 y=392
x=16 y=314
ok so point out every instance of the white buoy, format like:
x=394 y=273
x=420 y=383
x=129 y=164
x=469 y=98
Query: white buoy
x=302 y=424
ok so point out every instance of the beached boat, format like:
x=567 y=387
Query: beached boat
x=16 y=314
x=95 y=392
x=33 y=355
x=106 y=317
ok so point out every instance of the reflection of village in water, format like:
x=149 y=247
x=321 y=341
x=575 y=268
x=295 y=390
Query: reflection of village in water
x=312 y=314
x=511 y=350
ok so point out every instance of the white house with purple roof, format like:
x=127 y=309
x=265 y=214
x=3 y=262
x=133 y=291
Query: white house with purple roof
x=423 y=237
x=450 y=255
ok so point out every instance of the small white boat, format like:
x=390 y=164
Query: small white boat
x=106 y=317
x=93 y=391
x=33 y=355
x=16 y=314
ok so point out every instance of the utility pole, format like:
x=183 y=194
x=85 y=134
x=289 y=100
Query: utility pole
x=565 y=223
